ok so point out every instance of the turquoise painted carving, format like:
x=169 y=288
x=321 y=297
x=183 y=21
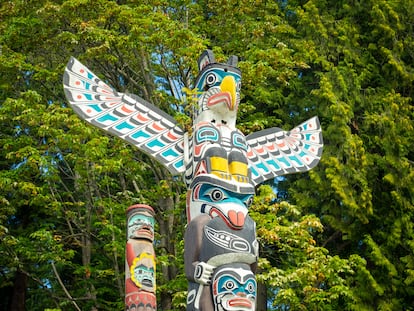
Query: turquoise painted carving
x=221 y=167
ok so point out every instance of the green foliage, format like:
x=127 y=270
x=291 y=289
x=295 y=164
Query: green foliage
x=344 y=238
x=362 y=190
x=299 y=274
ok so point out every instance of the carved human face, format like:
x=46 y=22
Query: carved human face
x=234 y=288
x=143 y=272
x=141 y=225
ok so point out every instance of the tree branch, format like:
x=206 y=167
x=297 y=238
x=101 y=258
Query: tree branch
x=63 y=287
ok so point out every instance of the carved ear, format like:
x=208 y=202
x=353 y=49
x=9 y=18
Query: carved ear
x=233 y=60
x=206 y=58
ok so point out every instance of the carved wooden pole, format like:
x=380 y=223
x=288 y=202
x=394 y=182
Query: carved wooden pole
x=140 y=259
x=221 y=250
x=222 y=167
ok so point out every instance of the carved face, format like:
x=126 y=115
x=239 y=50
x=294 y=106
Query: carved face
x=216 y=201
x=143 y=272
x=234 y=288
x=141 y=224
x=226 y=78
x=219 y=90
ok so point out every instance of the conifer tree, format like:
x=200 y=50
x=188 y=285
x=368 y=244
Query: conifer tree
x=336 y=238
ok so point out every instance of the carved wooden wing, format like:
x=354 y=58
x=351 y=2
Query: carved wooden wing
x=125 y=115
x=274 y=152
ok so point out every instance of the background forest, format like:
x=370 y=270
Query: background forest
x=340 y=237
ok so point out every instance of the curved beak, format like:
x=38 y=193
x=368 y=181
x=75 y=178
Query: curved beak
x=229 y=85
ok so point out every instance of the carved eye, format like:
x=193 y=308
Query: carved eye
x=249 y=201
x=211 y=79
x=250 y=288
x=217 y=195
x=229 y=285
x=238 y=86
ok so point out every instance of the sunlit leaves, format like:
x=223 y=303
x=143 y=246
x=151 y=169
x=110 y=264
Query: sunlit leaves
x=299 y=274
x=362 y=72
x=64 y=184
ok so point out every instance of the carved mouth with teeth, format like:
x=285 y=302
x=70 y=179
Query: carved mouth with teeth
x=145 y=232
x=147 y=282
x=234 y=219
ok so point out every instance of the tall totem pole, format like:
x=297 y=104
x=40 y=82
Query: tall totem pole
x=221 y=167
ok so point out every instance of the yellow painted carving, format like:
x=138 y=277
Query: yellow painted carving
x=238 y=168
x=219 y=164
x=147 y=260
x=229 y=85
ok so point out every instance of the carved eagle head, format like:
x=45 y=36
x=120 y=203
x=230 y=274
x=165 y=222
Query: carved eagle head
x=218 y=85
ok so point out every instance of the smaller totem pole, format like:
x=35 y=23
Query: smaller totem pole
x=140 y=259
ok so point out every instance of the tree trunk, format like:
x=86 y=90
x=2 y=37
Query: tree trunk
x=18 y=299
x=261 y=299
x=166 y=223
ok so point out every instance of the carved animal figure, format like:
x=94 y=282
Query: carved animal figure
x=221 y=165
x=271 y=152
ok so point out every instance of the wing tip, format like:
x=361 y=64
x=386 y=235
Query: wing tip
x=71 y=62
